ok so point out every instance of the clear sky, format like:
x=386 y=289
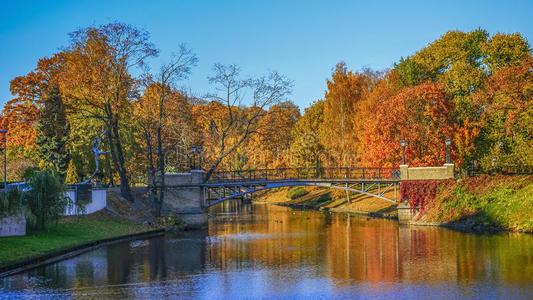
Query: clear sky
x=301 y=39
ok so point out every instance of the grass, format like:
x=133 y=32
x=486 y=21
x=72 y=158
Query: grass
x=296 y=192
x=502 y=201
x=69 y=231
x=334 y=200
x=320 y=201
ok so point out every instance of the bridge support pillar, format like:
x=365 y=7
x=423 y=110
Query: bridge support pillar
x=184 y=197
x=407 y=215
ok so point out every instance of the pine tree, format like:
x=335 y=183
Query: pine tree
x=72 y=173
x=53 y=133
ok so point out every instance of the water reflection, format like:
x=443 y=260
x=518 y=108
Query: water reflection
x=275 y=252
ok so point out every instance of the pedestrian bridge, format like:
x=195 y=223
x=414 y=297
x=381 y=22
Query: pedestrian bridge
x=376 y=182
x=189 y=194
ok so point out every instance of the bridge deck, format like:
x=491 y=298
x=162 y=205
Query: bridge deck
x=314 y=180
x=370 y=181
x=343 y=174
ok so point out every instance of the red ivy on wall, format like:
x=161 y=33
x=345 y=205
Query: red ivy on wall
x=418 y=193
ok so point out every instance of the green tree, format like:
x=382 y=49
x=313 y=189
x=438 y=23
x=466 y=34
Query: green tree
x=507 y=117
x=53 y=133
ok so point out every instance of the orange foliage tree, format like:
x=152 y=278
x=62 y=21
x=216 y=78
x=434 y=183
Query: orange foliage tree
x=270 y=147
x=20 y=115
x=421 y=115
x=345 y=91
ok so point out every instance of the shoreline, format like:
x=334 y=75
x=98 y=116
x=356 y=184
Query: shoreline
x=326 y=209
x=53 y=256
x=465 y=226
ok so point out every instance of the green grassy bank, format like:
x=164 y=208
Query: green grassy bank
x=331 y=200
x=499 y=201
x=69 y=231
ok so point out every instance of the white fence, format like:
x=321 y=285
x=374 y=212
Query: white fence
x=98 y=202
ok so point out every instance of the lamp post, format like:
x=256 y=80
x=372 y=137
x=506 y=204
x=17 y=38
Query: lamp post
x=200 y=157
x=194 y=157
x=402 y=142
x=448 y=142
x=4 y=132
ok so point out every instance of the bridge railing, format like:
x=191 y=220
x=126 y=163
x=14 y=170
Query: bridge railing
x=304 y=173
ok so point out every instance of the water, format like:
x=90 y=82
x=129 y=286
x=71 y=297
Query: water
x=274 y=252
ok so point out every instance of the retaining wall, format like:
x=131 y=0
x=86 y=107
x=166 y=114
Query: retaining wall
x=13 y=225
x=98 y=202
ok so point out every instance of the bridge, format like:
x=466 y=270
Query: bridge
x=189 y=194
x=224 y=185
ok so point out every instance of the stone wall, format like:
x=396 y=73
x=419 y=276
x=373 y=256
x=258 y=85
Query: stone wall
x=183 y=197
x=13 y=225
x=97 y=202
x=427 y=173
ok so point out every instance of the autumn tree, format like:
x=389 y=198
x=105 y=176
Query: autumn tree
x=20 y=115
x=238 y=124
x=462 y=62
x=270 y=147
x=98 y=83
x=305 y=145
x=506 y=121
x=175 y=135
x=345 y=90
x=178 y=68
x=421 y=115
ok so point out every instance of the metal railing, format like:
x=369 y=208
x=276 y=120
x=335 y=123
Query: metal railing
x=504 y=170
x=304 y=173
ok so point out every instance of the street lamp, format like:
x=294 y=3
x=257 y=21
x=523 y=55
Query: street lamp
x=200 y=157
x=194 y=157
x=402 y=142
x=448 y=142
x=4 y=132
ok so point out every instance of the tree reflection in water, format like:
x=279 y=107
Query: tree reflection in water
x=277 y=252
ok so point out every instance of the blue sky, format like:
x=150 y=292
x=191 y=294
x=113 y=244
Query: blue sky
x=301 y=39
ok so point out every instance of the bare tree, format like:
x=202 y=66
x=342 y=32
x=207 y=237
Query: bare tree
x=178 y=68
x=231 y=90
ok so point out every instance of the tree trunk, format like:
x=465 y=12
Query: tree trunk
x=125 y=189
x=118 y=158
x=160 y=154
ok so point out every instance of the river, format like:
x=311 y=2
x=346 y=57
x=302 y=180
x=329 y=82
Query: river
x=272 y=252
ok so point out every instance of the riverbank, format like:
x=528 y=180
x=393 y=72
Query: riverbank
x=69 y=232
x=324 y=199
x=483 y=203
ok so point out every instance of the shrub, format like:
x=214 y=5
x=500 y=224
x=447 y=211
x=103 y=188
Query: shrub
x=29 y=173
x=296 y=192
x=322 y=200
x=46 y=200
